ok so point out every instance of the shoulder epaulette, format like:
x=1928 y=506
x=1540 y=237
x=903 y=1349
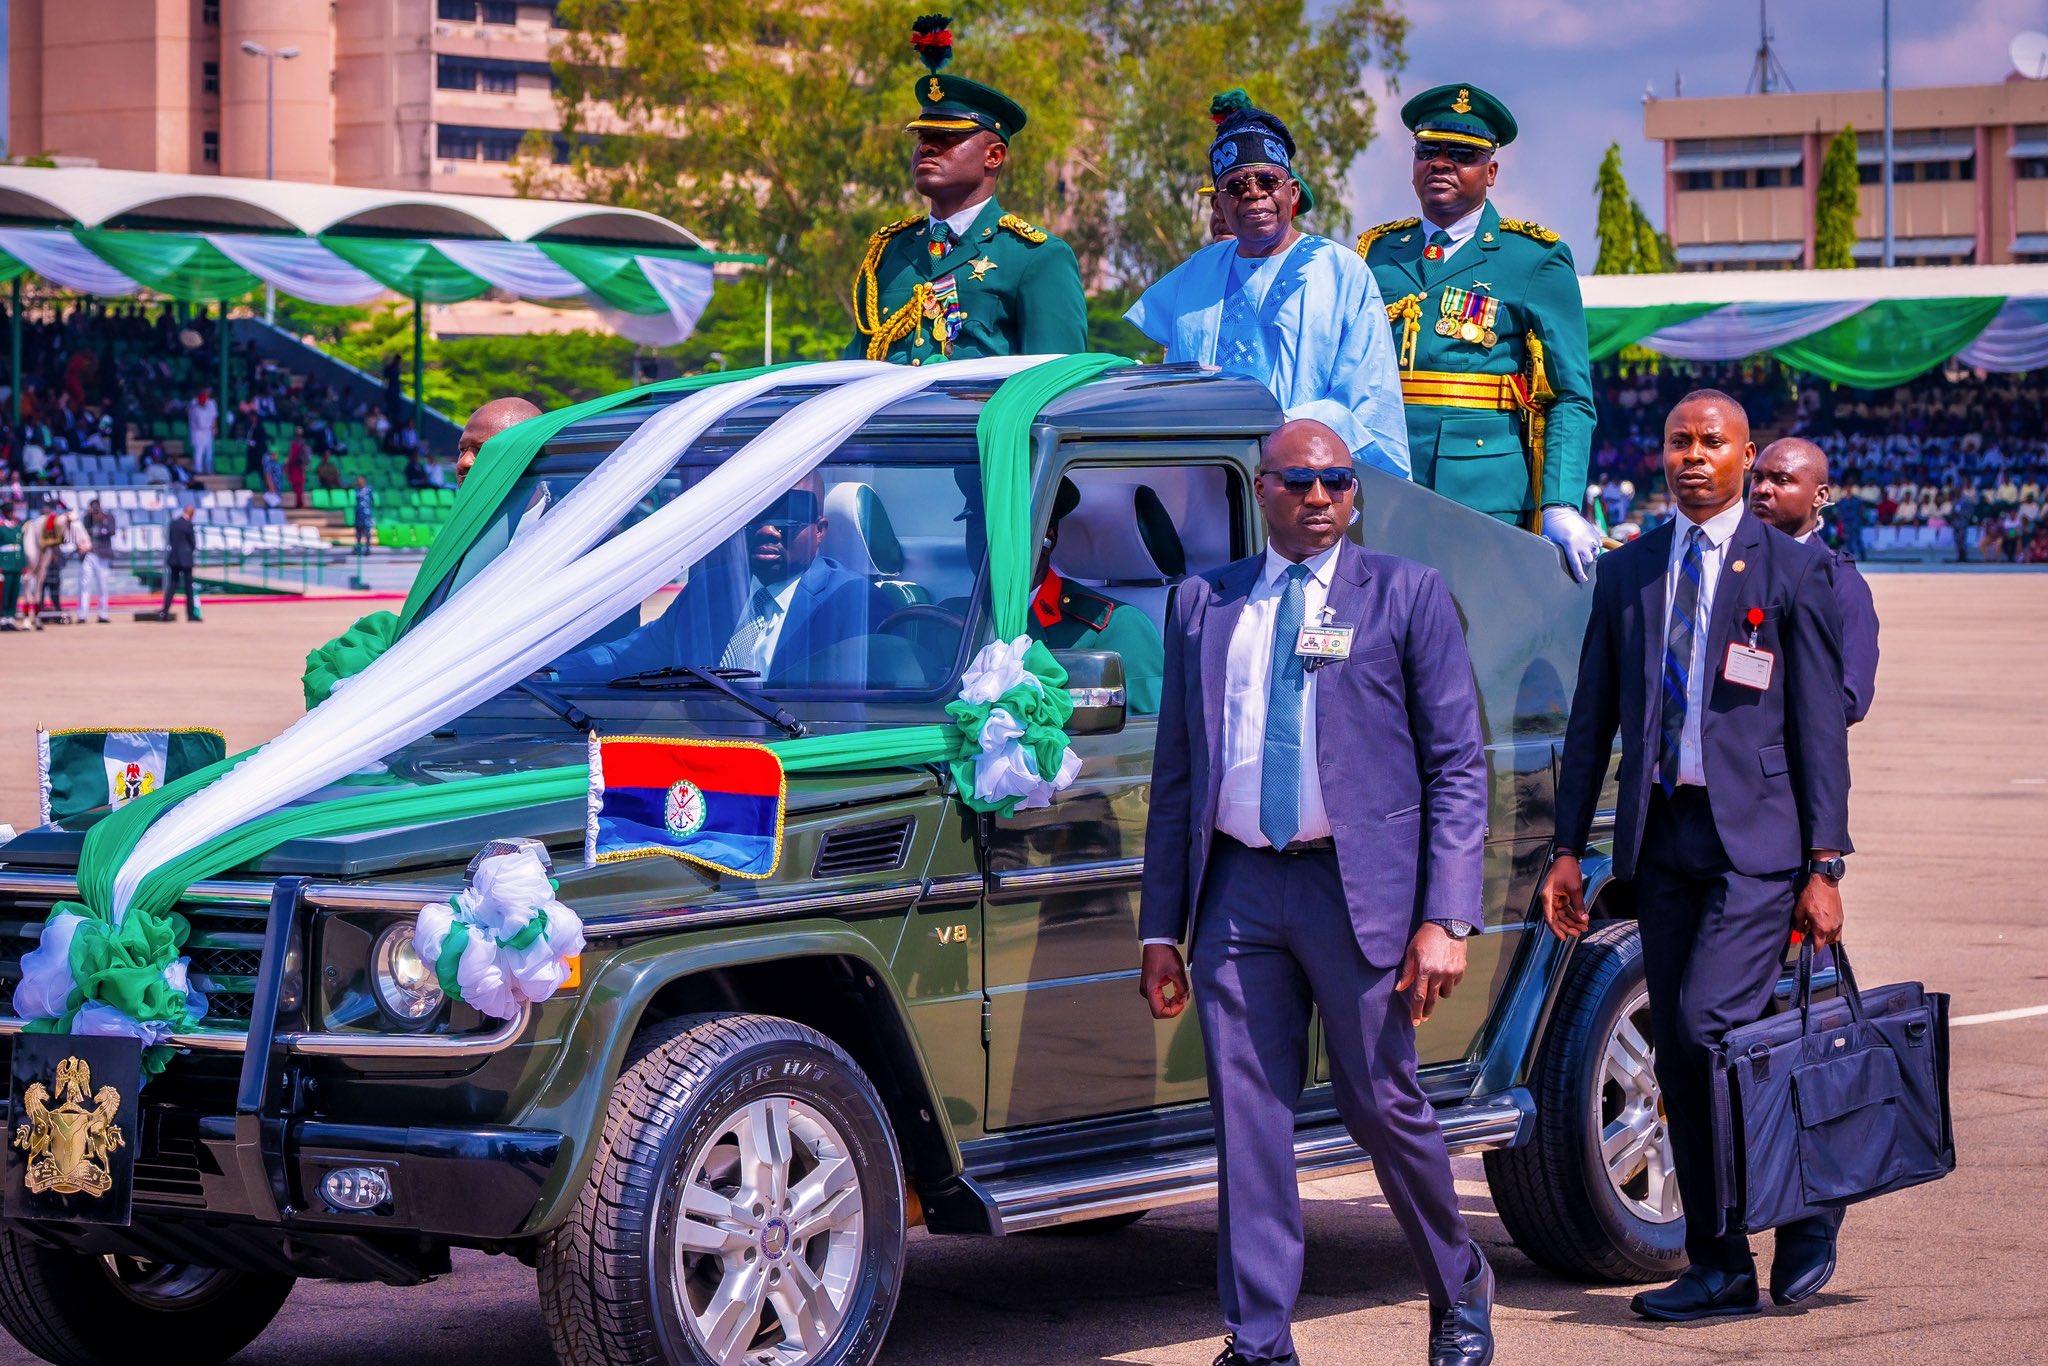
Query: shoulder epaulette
x=1372 y=235
x=889 y=230
x=1090 y=608
x=1021 y=228
x=1528 y=229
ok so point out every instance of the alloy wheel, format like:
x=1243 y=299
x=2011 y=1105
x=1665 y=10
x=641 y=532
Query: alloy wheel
x=1635 y=1138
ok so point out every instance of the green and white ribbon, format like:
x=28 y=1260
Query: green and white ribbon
x=502 y=942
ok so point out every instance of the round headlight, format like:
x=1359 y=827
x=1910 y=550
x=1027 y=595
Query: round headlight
x=406 y=987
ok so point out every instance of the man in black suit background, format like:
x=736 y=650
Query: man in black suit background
x=1714 y=649
x=181 y=544
x=1788 y=489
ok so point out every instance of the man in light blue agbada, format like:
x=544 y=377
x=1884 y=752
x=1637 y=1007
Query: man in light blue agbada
x=1297 y=313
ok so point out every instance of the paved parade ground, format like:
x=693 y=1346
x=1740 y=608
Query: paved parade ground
x=1950 y=815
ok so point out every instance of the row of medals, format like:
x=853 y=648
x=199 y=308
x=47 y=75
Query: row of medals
x=1468 y=315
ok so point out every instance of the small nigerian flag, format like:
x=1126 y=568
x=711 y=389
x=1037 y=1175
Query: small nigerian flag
x=711 y=802
x=84 y=770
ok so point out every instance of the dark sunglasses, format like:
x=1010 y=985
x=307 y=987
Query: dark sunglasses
x=1300 y=478
x=791 y=509
x=1237 y=187
x=1457 y=156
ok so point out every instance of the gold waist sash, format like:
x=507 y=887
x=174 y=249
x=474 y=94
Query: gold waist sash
x=1442 y=389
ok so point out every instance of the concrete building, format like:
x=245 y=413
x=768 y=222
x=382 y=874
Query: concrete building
x=1970 y=174
x=392 y=94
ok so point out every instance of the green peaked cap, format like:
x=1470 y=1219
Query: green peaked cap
x=1460 y=113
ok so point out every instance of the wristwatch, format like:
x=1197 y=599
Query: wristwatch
x=1827 y=867
x=1456 y=929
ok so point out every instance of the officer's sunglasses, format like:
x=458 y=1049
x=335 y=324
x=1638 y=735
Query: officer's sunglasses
x=1299 y=479
x=1451 y=152
x=1238 y=186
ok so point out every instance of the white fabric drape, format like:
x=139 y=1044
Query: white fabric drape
x=516 y=267
x=2016 y=339
x=298 y=266
x=64 y=261
x=1747 y=329
x=540 y=598
x=685 y=286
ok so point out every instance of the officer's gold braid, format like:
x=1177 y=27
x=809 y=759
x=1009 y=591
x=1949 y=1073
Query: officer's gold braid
x=1408 y=312
x=867 y=319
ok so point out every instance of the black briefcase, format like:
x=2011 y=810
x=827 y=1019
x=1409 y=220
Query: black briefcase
x=1832 y=1103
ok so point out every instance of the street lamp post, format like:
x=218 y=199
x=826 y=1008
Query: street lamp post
x=270 y=61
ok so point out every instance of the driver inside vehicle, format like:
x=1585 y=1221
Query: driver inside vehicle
x=783 y=617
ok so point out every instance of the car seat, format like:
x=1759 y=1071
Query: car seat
x=1122 y=540
x=859 y=535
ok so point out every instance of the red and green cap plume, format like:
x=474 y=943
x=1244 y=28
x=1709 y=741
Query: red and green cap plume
x=954 y=104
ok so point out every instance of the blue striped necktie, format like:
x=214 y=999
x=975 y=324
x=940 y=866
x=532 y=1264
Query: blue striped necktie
x=1280 y=761
x=1678 y=640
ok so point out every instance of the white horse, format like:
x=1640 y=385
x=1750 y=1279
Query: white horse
x=45 y=534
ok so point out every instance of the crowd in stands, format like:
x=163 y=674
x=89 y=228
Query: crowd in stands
x=1955 y=464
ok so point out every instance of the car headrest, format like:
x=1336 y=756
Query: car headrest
x=1121 y=533
x=858 y=533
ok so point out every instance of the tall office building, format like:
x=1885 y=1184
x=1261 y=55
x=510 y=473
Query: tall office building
x=1970 y=174
x=399 y=94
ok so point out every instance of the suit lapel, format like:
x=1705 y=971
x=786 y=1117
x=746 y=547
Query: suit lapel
x=810 y=591
x=1730 y=591
x=1346 y=601
x=970 y=243
x=1226 y=603
x=1407 y=252
x=1655 y=569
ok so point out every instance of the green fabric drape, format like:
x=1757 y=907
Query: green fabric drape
x=346 y=655
x=411 y=268
x=612 y=275
x=1608 y=330
x=1892 y=341
x=184 y=266
x=9 y=268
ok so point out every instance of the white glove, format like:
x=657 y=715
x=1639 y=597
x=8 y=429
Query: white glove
x=1578 y=538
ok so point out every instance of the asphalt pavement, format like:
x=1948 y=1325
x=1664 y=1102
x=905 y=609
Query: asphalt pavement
x=1950 y=813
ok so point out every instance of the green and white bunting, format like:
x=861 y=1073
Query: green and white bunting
x=89 y=770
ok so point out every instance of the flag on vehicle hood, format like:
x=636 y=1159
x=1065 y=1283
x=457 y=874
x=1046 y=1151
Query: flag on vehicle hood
x=83 y=770
x=711 y=802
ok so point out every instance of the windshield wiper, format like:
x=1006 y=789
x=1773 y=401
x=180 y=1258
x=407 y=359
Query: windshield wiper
x=555 y=702
x=689 y=675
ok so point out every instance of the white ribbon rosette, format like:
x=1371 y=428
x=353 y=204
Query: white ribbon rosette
x=1014 y=717
x=505 y=938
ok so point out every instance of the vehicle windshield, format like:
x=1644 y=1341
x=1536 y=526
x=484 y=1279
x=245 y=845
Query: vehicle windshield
x=857 y=578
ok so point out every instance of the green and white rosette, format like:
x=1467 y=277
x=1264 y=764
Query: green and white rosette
x=504 y=941
x=1013 y=709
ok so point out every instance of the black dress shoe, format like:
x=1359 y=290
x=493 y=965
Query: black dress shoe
x=1700 y=1293
x=1230 y=1356
x=1463 y=1334
x=1805 y=1260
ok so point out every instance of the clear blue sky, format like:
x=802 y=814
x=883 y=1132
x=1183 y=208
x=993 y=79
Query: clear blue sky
x=1574 y=71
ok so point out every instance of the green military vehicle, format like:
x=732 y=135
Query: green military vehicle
x=713 y=1142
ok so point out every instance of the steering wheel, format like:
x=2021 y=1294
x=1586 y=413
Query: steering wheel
x=919 y=617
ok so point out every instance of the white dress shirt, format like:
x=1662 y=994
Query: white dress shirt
x=959 y=223
x=1248 y=680
x=1461 y=231
x=763 y=651
x=1716 y=530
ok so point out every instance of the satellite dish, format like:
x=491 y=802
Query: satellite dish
x=2030 y=55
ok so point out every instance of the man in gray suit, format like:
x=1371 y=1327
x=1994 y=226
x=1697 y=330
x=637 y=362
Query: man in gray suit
x=1318 y=818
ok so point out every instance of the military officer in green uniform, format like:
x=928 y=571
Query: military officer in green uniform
x=965 y=279
x=1069 y=616
x=1495 y=376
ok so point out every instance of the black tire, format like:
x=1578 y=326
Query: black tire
x=80 y=1310
x=1553 y=1193
x=608 y=1276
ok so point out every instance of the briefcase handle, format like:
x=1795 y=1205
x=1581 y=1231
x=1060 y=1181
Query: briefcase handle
x=1844 y=975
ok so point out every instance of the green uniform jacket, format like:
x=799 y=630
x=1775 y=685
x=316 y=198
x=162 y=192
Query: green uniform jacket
x=1089 y=620
x=1020 y=287
x=1473 y=455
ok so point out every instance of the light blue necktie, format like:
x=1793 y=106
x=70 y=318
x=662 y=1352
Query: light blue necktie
x=1280 y=763
x=1678 y=641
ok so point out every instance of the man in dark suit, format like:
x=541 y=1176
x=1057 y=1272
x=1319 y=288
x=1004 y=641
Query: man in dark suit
x=181 y=551
x=1316 y=835
x=1714 y=649
x=794 y=613
x=1787 y=489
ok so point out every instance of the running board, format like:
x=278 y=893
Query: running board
x=1131 y=1184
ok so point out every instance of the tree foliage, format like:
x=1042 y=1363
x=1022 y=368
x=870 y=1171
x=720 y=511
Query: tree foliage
x=1835 y=205
x=1615 y=227
x=1655 y=253
x=778 y=127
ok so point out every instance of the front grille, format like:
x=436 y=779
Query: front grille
x=167 y=1168
x=225 y=947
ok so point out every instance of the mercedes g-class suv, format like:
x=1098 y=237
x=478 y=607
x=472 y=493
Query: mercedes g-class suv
x=712 y=1142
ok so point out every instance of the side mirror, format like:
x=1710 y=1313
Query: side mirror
x=1095 y=678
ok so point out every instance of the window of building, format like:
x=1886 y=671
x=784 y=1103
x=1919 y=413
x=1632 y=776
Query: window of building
x=209 y=77
x=501 y=11
x=461 y=11
x=2033 y=168
x=1796 y=175
x=1869 y=173
x=453 y=74
x=209 y=13
x=209 y=147
x=463 y=73
x=455 y=142
x=1699 y=180
x=1735 y=180
x=1770 y=177
x=1938 y=170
